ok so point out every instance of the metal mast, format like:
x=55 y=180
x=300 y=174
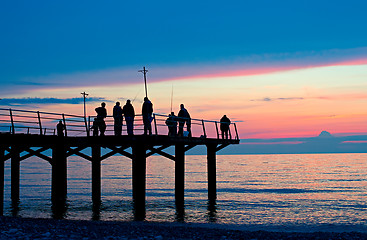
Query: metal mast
x=144 y=71
x=84 y=96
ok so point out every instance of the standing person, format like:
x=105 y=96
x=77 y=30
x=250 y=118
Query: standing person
x=224 y=126
x=184 y=116
x=129 y=113
x=117 y=117
x=101 y=115
x=60 y=129
x=147 y=111
x=95 y=127
x=171 y=123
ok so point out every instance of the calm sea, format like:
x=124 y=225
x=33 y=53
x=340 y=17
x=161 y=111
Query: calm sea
x=252 y=189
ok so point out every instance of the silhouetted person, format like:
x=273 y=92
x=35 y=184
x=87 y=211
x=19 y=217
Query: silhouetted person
x=60 y=129
x=101 y=115
x=95 y=127
x=129 y=113
x=184 y=116
x=224 y=126
x=171 y=123
x=147 y=111
x=117 y=117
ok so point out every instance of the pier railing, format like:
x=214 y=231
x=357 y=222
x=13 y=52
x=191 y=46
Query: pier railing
x=16 y=121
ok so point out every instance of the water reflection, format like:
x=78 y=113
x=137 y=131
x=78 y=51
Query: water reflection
x=212 y=210
x=259 y=189
x=180 y=211
x=14 y=208
x=96 y=209
x=139 y=210
x=59 y=208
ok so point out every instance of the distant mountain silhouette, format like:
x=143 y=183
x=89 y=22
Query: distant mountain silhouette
x=325 y=134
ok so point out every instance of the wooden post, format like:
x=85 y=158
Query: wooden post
x=59 y=173
x=96 y=175
x=180 y=173
x=15 y=170
x=139 y=180
x=2 y=181
x=212 y=175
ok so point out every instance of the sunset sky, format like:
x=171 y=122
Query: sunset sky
x=279 y=68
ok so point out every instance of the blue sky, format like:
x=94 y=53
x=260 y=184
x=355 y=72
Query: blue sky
x=46 y=37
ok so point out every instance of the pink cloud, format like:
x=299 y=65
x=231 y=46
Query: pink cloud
x=246 y=66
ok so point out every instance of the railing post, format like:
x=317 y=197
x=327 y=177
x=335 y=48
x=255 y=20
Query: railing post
x=44 y=132
x=86 y=126
x=229 y=130
x=12 y=121
x=216 y=127
x=63 y=119
x=202 y=121
x=39 y=122
x=235 y=128
x=155 y=124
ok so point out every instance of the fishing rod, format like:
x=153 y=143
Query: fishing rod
x=136 y=96
x=171 y=97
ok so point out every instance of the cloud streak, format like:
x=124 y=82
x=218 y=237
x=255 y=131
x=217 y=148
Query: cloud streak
x=29 y=101
x=243 y=66
x=267 y=99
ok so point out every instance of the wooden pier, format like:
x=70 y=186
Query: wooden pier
x=18 y=142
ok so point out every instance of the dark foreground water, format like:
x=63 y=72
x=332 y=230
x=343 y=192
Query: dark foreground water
x=252 y=189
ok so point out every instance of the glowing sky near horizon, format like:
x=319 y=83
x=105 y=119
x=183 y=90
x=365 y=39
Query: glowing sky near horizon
x=290 y=69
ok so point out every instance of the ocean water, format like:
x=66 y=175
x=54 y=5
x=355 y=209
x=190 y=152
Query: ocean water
x=252 y=189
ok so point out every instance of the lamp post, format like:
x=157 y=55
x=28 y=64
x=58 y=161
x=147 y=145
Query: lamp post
x=145 y=80
x=84 y=96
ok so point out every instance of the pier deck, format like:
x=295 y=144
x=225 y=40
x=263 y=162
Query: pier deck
x=20 y=143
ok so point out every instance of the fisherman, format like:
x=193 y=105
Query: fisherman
x=184 y=116
x=147 y=111
x=118 y=118
x=101 y=115
x=171 y=122
x=95 y=127
x=224 y=126
x=129 y=113
x=60 y=129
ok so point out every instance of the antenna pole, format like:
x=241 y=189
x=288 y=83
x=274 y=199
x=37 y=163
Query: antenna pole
x=144 y=71
x=84 y=96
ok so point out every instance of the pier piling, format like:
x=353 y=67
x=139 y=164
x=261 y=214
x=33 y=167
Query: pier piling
x=212 y=177
x=139 y=179
x=15 y=171
x=2 y=153
x=59 y=173
x=96 y=175
x=179 y=174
